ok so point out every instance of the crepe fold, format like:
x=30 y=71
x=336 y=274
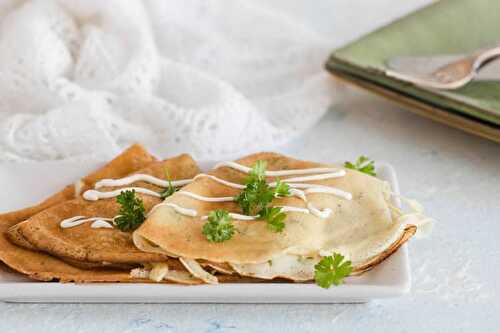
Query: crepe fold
x=365 y=229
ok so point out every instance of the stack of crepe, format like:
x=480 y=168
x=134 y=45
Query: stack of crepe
x=170 y=247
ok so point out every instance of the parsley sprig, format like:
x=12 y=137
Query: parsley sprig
x=170 y=188
x=274 y=217
x=331 y=270
x=281 y=189
x=132 y=212
x=218 y=227
x=363 y=164
x=258 y=195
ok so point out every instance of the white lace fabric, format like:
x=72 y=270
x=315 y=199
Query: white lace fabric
x=84 y=79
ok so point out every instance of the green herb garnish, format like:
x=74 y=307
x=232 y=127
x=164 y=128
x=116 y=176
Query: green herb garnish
x=363 y=164
x=218 y=227
x=170 y=188
x=281 y=189
x=132 y=212
x=274 y=217
x=258 y=195
x=331 y=270
x=258 y=171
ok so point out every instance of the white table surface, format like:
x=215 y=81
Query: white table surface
x=456 y=176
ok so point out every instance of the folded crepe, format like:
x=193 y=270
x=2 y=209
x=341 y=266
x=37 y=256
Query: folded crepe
x=340 y=210
x=360 y=223
x=88 y=247
x=133 y=158
x=41 y=266
x=44 y=267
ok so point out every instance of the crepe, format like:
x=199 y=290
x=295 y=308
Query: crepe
x=301 y=268
x=44 y=267
x=170 y=248
x=365 y=229
x=133 y=158
x=87 y=247
x=41 y=266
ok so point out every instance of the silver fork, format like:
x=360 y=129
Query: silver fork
x=453 y=75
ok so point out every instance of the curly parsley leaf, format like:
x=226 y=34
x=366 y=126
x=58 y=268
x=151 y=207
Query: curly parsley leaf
x=274 y=217
x=131 y=213
x=254 y=197
x=281 y=189
x=331 y=270
x=257 y=194
x=170 y=188
x=258 y=172
x=218 y=227
x=363 y=164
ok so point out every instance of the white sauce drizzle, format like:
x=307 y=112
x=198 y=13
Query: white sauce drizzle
x=285 y=209
x=316 y=188
x=330 y=190
x=141 y=177
x=71 y=222
x=324 y=173
x=277 y=173
x=338 y=174
x=298 y=193
x=101 y=224
x=236 y=216
x=177 y=208
x=206 y=199
x=315 y=174
x=77 y=220
x=322 y=214
x=93 y=195
x=310 y=210
x=220 y=181
x=182 y=210
x=242 y=217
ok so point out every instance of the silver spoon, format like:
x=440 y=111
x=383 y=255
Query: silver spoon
x=453 y=75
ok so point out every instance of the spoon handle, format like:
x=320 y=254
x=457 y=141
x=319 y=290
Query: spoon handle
x=485 y=56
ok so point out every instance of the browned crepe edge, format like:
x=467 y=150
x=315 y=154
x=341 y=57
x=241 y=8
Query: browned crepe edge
x=408 y=232
x=99 y=265
x=15 y=236
x=33 y=264
x=121 y=277
x=130 y=159
x=44 y=237
x=43 y=267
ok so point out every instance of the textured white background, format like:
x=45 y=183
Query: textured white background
x=456 y=176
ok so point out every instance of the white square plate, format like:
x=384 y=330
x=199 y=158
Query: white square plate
x=24 y=184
